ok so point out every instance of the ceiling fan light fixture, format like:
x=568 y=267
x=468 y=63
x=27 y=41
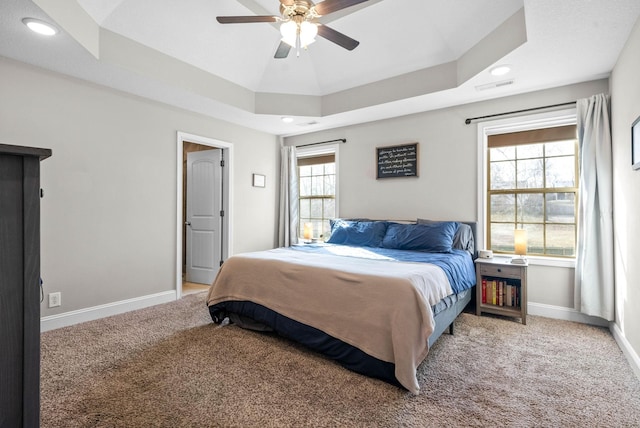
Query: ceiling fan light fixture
x=289 y=32
x=297 y=24
x=304 y=32
x=308 y=33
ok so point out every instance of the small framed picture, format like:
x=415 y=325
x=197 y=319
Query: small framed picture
x=635 y=144
x=259 y=180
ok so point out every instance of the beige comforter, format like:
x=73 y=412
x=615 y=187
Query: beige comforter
x=381 y=307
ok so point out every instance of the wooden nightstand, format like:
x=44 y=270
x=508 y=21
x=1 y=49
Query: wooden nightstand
x=501 y=287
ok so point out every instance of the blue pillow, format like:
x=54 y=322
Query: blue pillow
x=358 y=233
x=464 y=237
x=433 y=238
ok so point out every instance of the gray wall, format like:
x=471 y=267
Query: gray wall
x=109 y=212
x=625 y=100
x=447 y=184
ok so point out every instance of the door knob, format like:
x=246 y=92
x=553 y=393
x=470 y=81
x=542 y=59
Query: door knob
x=187 y=223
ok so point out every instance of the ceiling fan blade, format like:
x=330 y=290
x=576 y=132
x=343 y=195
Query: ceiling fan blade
x=282 y=51
x=245 y=19
x=337 y=37
x=328 y=6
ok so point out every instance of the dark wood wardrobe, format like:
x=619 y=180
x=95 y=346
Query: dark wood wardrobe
x=20 y=285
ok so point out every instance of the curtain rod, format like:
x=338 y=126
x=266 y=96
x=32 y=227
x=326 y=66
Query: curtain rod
x=344 y=140
x=468 y=121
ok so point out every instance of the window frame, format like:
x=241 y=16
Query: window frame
x=313 y=151
x=515 y=124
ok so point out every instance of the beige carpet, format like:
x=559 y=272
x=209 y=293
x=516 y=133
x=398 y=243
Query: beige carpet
x=169 y=366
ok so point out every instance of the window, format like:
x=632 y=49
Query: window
x=532 y=184
x=317 y=192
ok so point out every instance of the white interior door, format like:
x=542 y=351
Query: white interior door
x=203 y=217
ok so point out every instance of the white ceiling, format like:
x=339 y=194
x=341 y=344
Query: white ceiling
x=414 y=55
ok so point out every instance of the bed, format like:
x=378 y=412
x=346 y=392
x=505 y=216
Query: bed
x=374 y=298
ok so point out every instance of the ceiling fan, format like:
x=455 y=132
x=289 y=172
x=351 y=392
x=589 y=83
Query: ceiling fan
x=298 y=28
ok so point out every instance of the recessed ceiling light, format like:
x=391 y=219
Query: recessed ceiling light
x=287 y=119
x=500 y=70
x=40 y=27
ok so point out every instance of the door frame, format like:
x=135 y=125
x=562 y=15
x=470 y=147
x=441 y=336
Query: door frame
x=227 y=197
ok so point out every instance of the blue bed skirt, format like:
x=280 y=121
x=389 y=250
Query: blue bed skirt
x=257 y=317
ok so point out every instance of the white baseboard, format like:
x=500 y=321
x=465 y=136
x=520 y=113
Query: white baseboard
x=626 y=348
x=52 y=322
x=562 y=313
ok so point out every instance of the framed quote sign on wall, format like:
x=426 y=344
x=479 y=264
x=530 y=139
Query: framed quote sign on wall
x=397 y=161
x=635 y=144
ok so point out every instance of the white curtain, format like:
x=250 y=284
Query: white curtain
x=594 y=278
x=288 y=216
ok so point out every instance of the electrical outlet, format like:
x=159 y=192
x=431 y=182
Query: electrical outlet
x=55 y=299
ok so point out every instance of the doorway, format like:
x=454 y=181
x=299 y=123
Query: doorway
x=189 y=143
x=203 y=210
